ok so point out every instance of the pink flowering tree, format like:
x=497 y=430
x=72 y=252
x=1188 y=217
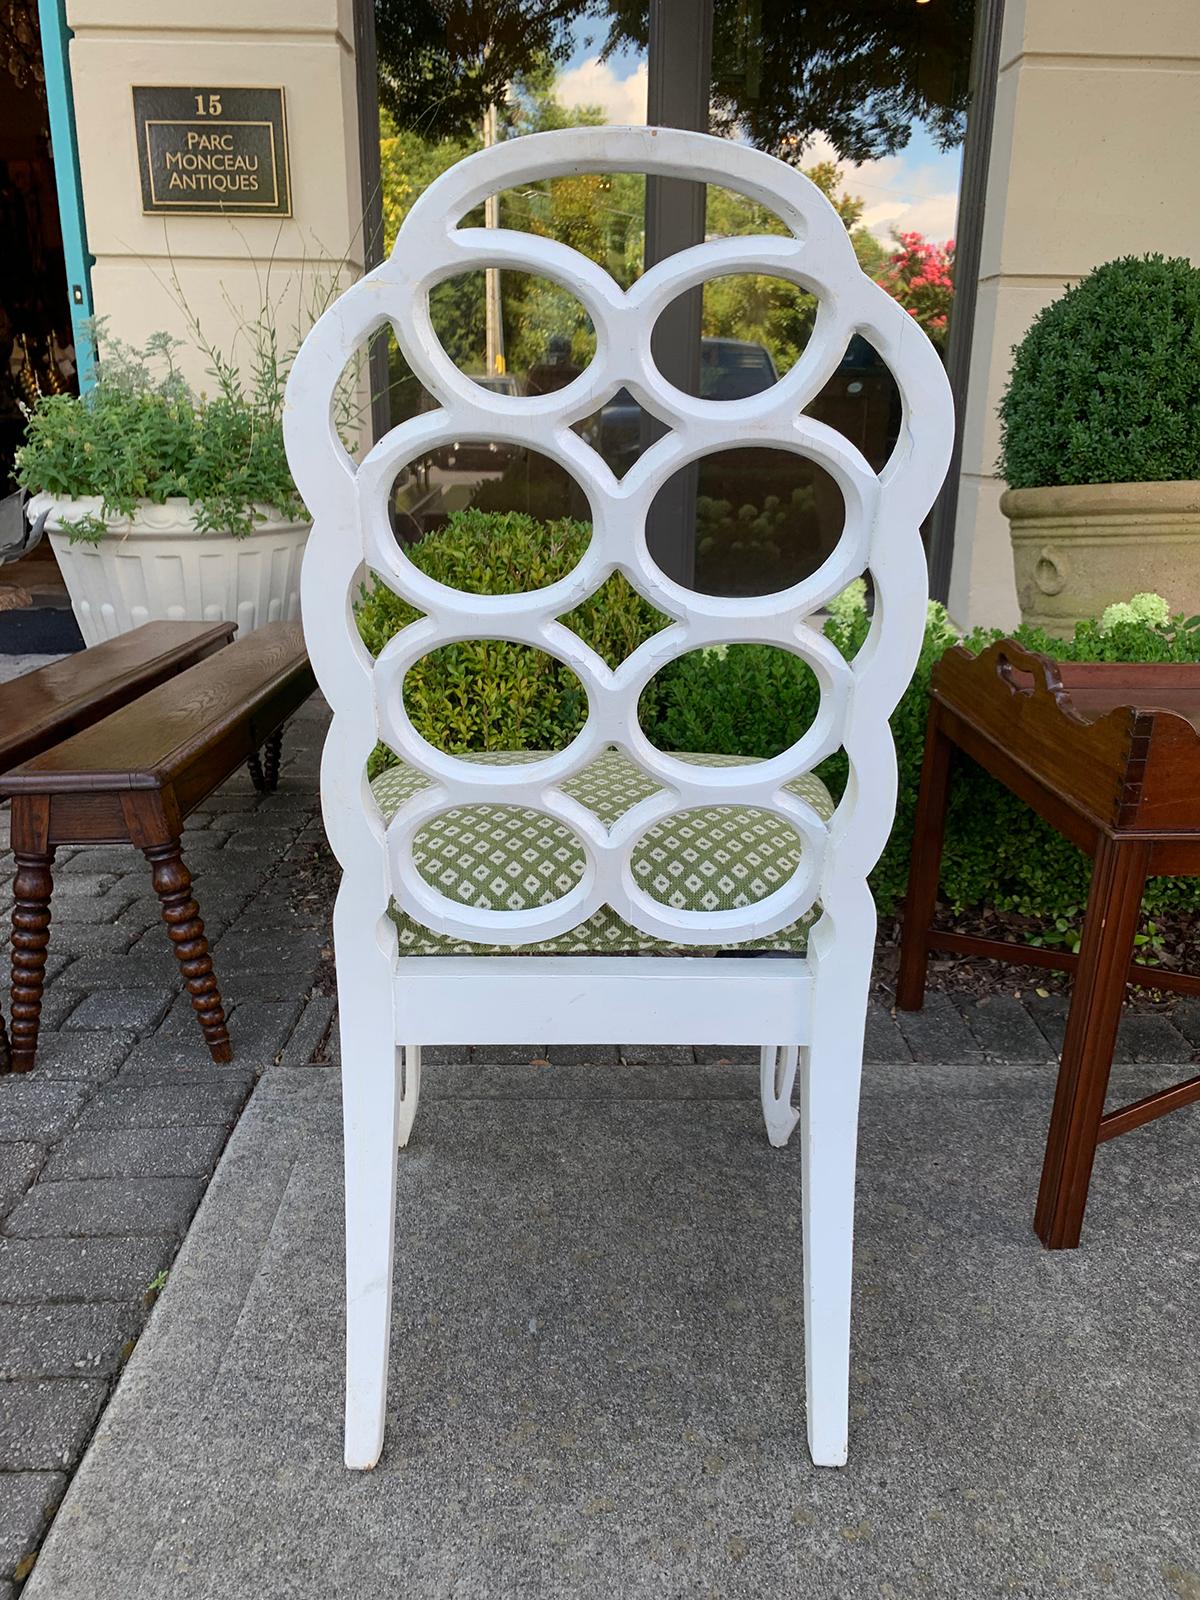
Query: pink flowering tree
x=920 y=275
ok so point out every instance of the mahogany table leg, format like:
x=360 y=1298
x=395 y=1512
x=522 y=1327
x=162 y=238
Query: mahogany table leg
x=929 y=830
x=32 y=889
x=1114 y=901
x=263 y=766
x=173 y=885
x=5 y=1053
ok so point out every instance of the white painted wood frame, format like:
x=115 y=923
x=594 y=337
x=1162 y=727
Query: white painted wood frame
x=808 y=1014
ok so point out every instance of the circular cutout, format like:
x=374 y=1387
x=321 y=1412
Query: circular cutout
x=750 y=701
x=755 y=521
x=862 y=401
x=493 y=695
x=754 y=328
x=542 y=334
x=716 y=858
x=490 y=517
x=499 y=857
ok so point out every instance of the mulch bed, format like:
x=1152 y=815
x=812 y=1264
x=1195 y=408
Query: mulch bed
x=1176 y=945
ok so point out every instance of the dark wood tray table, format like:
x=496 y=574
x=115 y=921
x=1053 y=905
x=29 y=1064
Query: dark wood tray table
x=1108 y=753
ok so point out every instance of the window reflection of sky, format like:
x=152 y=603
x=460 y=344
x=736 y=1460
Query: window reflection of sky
x=913 y=191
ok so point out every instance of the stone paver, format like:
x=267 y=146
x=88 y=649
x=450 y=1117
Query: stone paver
x=37 y=1109
x=1150 y=1036
x=937 y=1032
x=1049 y=1011
x=137 y=1009
x=137 y=1152
x=165 y=1105
x=1004 y=1030
x=43 y=1424
x=27 y=1501
x=667 y=1055
x=19 y=1165
x=91 y=1057
x=883 y=1040
x=33 y=1271
x=95 y=1207
x=1186 y=1017
x=67 y=1341
x=709 y=1055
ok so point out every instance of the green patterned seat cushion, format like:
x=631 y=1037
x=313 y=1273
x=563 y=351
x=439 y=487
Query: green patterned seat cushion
x=510 y=858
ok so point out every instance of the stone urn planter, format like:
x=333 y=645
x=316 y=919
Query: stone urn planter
x=1077 y=549
x=156 y=566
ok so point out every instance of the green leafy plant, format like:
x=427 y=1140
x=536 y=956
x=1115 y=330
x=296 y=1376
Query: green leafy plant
x=1105 y=386
x=489 y=694
x=141 y=434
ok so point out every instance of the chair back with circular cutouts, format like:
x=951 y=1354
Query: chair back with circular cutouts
x=349 y=502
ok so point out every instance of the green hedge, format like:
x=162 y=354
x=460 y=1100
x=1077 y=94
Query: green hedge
x=488 y=694
x=755 y=700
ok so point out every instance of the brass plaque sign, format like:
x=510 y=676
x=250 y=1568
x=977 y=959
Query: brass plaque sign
x=208 y=151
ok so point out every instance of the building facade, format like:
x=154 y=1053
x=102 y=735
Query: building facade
x=1091 y=109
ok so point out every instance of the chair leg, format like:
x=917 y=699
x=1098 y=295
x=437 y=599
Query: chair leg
x=173 y=886
x=830 y=1078
x=929 y=831
x=777 y=1074
x=408 y=1065
x=372 y=1066
x=5 y=1053
x=1110 y=922
x=32 y=888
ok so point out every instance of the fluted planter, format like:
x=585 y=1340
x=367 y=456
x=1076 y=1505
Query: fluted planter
x=156 y=566
x=1077 y=549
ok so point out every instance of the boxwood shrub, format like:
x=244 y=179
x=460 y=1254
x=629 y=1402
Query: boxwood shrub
x=1105 y=386
x=489 y=694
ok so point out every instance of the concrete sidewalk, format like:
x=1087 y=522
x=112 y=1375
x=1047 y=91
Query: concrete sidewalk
x=597 y=1368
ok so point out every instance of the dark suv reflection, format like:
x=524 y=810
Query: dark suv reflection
x=730 y=369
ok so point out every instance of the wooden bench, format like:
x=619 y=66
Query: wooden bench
x=132 y=778
x=40 y=708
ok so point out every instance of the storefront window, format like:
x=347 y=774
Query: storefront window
x=870 y=101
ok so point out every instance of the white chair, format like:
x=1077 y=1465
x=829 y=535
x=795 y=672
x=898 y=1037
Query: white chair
x=810 y=1010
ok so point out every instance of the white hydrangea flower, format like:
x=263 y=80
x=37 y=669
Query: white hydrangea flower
x=1144 y=607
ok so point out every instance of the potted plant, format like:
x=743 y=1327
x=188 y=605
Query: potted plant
x=164 y=504
x=1101 y=444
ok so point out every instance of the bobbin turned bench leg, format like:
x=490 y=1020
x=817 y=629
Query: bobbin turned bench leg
x=30 y=936
x=263 y=765
x=154 y=825
x=173 y=886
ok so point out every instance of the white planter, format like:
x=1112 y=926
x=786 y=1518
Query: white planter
x=155 y=567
